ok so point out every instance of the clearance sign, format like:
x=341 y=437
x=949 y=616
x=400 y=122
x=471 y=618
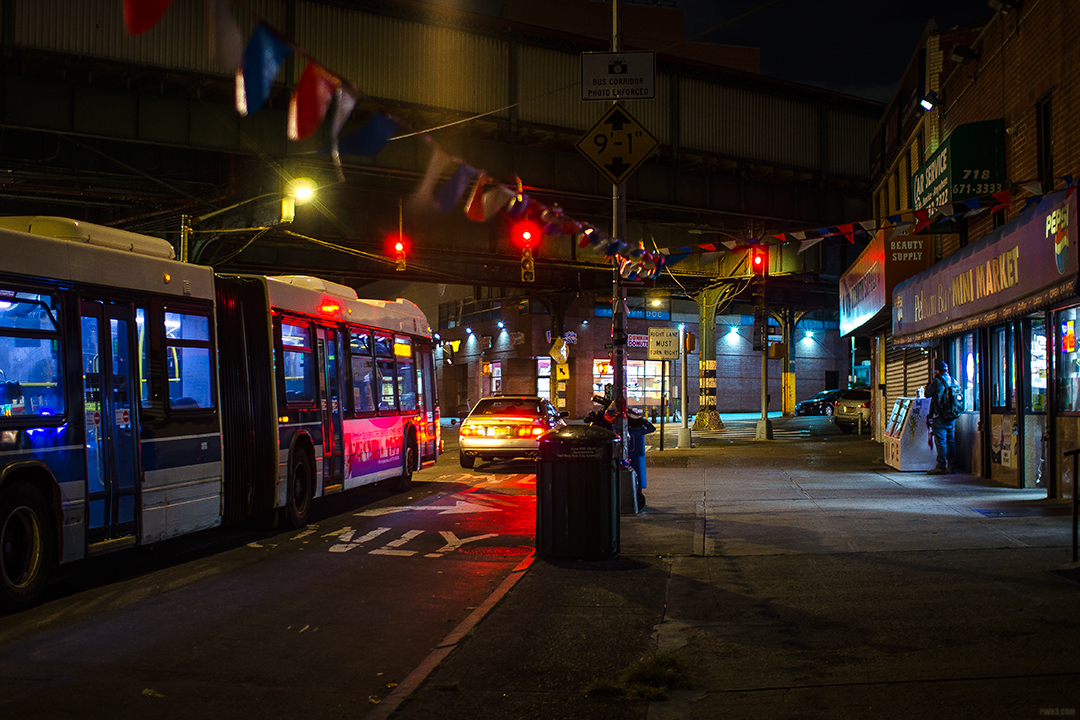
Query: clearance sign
x=1024 y=265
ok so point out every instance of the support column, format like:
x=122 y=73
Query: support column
x=708 y=417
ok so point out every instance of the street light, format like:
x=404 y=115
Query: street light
x=297 y=190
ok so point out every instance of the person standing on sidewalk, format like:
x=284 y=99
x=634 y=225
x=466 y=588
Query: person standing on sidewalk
x=945 y=397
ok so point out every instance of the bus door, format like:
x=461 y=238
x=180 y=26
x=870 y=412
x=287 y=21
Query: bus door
x=425 y=384
x=111 y=441
x=330 y=393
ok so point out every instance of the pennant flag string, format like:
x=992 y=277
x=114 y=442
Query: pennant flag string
x=319 y=89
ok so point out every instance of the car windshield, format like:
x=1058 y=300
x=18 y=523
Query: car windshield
x=509 y=406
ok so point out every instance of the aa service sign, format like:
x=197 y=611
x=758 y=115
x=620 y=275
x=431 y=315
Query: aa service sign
x=618 y=76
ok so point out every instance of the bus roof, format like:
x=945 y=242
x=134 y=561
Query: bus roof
x=72 y=250
x=322 y=298
x=79 y=231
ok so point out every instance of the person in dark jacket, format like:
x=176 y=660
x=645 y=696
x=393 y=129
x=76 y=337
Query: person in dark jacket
x=941 y=421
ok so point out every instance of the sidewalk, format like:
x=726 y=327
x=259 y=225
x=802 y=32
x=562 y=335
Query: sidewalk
x=790 y=579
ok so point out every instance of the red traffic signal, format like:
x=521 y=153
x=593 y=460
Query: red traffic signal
x=526 y=234
x=759 y=261
x=397 y=245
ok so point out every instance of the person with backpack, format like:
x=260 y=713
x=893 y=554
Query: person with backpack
x=946 y=404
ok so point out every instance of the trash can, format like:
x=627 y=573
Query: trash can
x=577 y=493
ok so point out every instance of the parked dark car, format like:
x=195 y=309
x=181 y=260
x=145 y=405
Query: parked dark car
x=820 y=404
x=852 y=408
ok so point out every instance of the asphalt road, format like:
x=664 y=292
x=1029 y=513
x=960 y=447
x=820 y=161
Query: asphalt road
x=248 y=623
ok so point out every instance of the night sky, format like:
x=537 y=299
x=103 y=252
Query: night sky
x=858 y=47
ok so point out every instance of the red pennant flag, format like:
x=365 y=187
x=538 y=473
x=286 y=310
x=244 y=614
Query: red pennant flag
x=848 y=231
x=141 y=15
x=310 y=101
x=1003 y=198
x=922 y=218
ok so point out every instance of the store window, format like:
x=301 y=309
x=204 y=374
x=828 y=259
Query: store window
x=1035 y=388
x=1002 y=372
x=543 y=377
x=643 y=380
x=964 y=367
x=1068 y=367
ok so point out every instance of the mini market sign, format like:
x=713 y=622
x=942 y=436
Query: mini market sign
x=970 y=163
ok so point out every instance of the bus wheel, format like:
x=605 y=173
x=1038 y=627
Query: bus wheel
x=27 y=547
x=408 y=464
x=301 y=484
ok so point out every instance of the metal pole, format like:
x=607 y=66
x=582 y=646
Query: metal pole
x=663 y=399
x=618 y=299
x=684 y=404
x=764 y=426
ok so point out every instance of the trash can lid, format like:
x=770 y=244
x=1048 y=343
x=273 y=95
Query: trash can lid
x=579 y=435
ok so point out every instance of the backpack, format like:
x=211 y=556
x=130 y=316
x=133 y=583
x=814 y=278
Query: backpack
x=952 y=401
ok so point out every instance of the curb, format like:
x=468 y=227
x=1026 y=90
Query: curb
x=409 y=685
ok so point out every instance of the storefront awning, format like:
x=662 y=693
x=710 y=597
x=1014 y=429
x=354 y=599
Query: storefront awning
x=1022 y=266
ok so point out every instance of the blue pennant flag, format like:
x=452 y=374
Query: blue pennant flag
x=263 y=58
x=370 y=139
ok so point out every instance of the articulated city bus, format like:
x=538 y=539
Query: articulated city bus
x=143 y=398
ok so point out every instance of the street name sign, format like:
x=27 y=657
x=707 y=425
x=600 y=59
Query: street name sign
x=663 y=343
x=617 y=144
x=618 y=76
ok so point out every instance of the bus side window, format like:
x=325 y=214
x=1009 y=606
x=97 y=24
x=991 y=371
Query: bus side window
x=363 y=371
x=30 y=352
x=406 y=377
x=143 y=357
x=384 y=372
x=189 y=356
x=298 y=361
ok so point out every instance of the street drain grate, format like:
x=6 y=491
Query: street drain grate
x=497 y=550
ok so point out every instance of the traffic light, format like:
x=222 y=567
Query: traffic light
x=397 y=245
x=759 y=261
x=526 y=234
x=528 y=266
x=689 y=343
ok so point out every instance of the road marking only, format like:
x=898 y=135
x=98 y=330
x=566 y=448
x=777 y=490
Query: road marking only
x=459 y=507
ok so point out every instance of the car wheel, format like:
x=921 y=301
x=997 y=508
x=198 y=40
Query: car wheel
x=27 y=547
x=846 y=428
x=467 y=461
